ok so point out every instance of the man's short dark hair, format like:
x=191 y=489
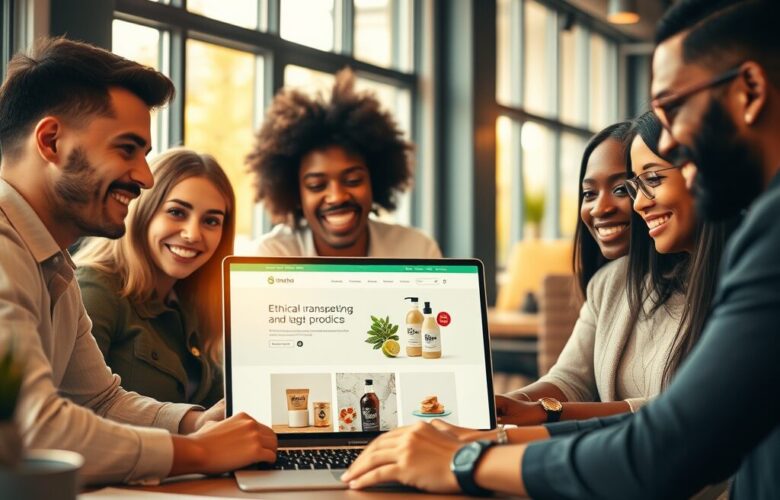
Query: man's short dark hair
x=69 y=79
x=686 y=13
x=297 y=124
x=740 y=31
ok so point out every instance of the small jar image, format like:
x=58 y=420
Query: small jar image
x=321 y=414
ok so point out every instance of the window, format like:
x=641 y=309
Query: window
x=219 y=114
x=539 y=49
x=239 y=12
x=309 y=22
x=6 y=35
x=572 y=146
x=143 y=44
x=229 y=58
x=556 y=85
x=383 y=34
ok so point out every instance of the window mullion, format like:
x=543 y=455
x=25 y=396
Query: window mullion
x=274 y=16
x=178 y=61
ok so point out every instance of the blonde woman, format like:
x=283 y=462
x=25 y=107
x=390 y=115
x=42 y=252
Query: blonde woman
x=154 y=296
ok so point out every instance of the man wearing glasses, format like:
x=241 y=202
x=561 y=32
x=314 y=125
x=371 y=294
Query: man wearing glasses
x=716 y=88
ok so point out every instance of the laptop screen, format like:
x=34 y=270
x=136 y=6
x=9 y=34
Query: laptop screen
x=356 y=346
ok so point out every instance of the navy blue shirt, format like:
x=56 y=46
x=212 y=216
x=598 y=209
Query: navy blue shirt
x=721 y=413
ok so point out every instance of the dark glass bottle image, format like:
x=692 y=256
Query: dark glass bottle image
x=369 y=408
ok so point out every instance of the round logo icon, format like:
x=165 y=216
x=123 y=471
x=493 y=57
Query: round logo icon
x=300 y=343
x=443 y=318
x=270 y=280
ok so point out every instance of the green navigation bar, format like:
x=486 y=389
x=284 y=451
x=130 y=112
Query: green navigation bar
x=351 y=268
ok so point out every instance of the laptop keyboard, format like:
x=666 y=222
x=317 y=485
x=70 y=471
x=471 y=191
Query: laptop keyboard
x=326 y=458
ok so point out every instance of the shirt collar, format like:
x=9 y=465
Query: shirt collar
x=28 y=225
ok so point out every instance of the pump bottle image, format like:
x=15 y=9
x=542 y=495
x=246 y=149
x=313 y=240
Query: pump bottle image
x=431 y=335
x=414 y=320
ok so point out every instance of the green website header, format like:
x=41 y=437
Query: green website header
x=352 y=268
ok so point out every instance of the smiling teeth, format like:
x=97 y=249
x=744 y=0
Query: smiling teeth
x=183 y=252
x=124 y=200
x=610 y=230
x=340 y=220
x=652 y=224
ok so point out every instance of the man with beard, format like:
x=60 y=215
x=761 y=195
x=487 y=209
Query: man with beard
x=74 y=135
x=720 y=416
x=328 y=162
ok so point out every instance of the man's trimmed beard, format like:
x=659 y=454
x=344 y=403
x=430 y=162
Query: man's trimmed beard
x=729 y=175
x=77 y=190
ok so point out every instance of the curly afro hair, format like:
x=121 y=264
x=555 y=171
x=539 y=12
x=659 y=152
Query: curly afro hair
x=297 y=124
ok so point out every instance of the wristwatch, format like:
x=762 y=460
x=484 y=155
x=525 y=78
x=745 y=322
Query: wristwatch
x=465 y=462
x=552 y=407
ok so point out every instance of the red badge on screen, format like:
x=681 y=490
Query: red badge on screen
x=443 y=319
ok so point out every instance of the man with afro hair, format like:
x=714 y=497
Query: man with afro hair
x=323 y=165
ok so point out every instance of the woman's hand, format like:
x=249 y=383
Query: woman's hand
x=418 y=455
x=516 y=412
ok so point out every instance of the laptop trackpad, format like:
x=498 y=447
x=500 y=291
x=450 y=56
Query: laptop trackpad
x=288 y=480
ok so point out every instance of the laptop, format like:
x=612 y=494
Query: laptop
x=332 y=352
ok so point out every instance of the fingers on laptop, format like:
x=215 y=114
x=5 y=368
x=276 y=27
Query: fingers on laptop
x=417 y=455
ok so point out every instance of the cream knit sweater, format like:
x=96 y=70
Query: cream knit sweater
x=607 y=358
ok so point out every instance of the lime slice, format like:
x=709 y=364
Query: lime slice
x=391 y=348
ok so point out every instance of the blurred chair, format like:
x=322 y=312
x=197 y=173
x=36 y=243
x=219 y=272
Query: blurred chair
x=559 y=309
x=530 y=261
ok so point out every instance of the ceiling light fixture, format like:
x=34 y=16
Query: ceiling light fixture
x=622 y=12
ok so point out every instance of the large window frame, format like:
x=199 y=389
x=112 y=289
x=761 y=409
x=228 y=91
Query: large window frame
x=178 y=25
x=563 y=18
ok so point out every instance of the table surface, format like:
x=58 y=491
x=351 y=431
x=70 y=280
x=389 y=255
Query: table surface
x=226 y=487
x=512 y=324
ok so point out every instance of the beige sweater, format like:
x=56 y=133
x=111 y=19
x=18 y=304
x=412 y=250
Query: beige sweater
x=609 y=359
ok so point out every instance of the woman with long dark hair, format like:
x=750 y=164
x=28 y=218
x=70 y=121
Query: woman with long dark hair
x=658 y=266
x=641 y=317
x=601 y=234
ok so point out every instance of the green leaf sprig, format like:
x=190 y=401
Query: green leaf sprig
x=381 y=330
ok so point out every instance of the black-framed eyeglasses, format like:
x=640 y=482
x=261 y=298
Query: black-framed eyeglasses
x=666 y=107
x=645 y=183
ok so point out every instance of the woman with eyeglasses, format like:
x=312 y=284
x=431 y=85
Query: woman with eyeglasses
x=643 y=312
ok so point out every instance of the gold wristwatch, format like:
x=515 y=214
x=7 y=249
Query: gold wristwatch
x=552 y=407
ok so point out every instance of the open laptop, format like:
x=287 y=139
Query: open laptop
x=319 y=350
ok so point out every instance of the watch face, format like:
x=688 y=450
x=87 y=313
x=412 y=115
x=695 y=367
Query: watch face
x=551 y=404
x=467 y=455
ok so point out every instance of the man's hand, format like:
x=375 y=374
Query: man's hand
x=417 y=455
x=196 y=419
x=516 y=412
x=223 y=446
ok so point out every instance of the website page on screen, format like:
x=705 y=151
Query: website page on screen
x=357 y=348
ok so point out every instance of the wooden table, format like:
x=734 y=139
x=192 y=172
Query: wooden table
x=513 y=339
x=512 y=324
x=226 y=487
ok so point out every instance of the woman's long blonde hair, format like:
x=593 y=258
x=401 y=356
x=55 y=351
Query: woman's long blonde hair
x=130 y=258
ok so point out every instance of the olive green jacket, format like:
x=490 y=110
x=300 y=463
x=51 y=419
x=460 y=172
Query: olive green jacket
x=149 y=348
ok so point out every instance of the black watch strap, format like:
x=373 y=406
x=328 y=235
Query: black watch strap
x=464 y=464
